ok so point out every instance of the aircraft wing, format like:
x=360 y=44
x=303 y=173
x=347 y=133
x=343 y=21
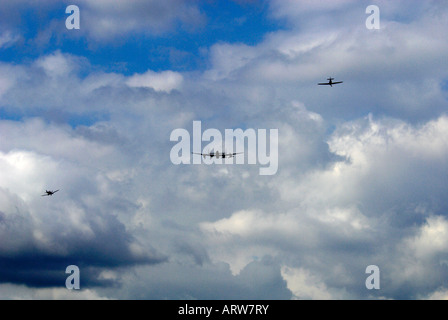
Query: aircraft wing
x=202 y=154
x=233 y=154
x=337 y=82
x=55 y=191
x=325 y=84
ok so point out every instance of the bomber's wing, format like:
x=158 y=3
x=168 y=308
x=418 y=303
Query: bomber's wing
x=233 y=154
x=338 y=82
x=325 y=84
x=55 y=191
x=202 y=154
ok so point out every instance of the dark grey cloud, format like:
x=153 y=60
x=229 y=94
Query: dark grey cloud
x=36 y=253
x=259 y=280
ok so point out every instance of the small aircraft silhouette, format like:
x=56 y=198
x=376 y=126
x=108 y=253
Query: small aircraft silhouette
x=49 y=193
x=330 y=82
x=218 y=155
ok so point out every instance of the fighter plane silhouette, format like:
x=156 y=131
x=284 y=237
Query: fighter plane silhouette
x=330 y=82
x=49 y=193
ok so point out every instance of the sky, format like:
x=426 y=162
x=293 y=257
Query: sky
x=362 y=166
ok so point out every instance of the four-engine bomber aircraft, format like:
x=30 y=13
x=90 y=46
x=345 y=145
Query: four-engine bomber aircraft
x=330 y=82
x=49 y=193
x=218 y=155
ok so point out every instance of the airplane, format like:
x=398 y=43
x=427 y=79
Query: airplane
x=330 y=82
x=49 y=193
x=218 y=155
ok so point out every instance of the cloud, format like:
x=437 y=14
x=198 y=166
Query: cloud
x=99 y=20
x=25 y=293
x=423 y=261
x=41 y=237
x=159 y=81
x=56 y=64
x=431 y=238
x=438 y=295
x=305 y=286
x=104 y=21
x=7 y=39
x=368 y=204
x=361 y=166
x=259 y=280
x=386 y=72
